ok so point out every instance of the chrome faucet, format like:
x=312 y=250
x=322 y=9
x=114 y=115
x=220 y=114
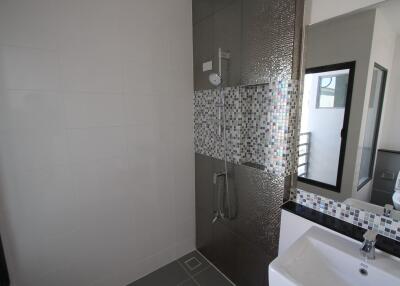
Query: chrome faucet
x=219 y=213
x=387 y=210
x=368 y=247
x=216 y=175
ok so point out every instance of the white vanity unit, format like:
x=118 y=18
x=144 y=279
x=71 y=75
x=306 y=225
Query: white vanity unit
x=310 y=254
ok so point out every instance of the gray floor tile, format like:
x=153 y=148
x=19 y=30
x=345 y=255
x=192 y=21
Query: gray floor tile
x=169 y=275
x=188 y=283
x=194 y=263
x=211 y=277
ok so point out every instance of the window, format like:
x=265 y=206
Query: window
x=372 y=125
x=332 y=90
x=324 y=122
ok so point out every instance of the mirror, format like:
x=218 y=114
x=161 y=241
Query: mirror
x=324 y=121
x=349 y=143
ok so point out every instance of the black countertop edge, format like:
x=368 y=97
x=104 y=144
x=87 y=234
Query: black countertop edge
x=389 y=151
x=383 y=243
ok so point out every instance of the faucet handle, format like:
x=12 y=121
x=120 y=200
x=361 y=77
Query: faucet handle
x=387 y=210
x=370 y=235
x=216 y=175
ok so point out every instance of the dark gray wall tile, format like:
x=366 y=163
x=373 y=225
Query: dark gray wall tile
x=252 y=236
x=262 y=35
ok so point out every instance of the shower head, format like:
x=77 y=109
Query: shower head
x=214 y=79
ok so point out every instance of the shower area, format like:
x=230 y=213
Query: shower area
x=246 y=71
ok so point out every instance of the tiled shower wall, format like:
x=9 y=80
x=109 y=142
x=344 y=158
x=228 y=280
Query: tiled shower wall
x=262 y=39
x=260 y=157
x=260 y=125
x=242 y=247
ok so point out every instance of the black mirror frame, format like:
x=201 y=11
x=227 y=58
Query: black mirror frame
x=351 y=66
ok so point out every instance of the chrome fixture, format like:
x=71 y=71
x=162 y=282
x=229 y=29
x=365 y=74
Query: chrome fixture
x=223 y=197
x=214 y=79
x=368 y=247
x=219 y=210
x=216 y=175
x=387 y=210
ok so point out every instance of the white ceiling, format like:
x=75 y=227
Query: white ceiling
x=391 y=9
x=320 y=10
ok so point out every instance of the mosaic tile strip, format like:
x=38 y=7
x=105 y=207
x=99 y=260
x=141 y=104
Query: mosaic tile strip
x=259 y=125
x=385 y=226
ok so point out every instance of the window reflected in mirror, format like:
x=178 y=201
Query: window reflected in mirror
x=372 y=125
x=324 y=120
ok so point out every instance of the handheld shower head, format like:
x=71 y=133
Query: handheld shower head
x=214 y=79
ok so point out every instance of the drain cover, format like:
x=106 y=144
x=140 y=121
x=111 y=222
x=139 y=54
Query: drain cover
x=192 y=263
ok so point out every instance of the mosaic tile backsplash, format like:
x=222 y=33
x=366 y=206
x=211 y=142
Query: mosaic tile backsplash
x=385 y=226
x=259 y=120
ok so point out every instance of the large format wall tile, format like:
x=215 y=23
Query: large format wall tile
x=260 y=39
x=250 y=239
x=96 y=139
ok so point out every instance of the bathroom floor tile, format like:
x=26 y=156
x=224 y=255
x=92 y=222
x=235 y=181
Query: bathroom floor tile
x=193 y=263
x=169 y=275
x=188 y=283
x=189 y=270
x=211 y=277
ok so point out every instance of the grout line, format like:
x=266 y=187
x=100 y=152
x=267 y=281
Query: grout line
x=184 y=281
x=187 y=272
x=203 y=270
x=212 y=264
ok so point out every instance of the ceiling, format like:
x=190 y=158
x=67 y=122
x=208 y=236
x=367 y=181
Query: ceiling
x=391 y=9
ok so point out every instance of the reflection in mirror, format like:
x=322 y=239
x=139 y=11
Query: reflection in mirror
x=362 y=168
x=324 y=120
x=372 y=125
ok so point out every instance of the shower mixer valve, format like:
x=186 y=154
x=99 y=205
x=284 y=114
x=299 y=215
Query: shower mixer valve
x=216 y=175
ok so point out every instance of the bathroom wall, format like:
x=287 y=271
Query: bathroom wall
x=260 y=129
x=96 y=139
x=389 y=138
x=239 y=29
x=217 y=24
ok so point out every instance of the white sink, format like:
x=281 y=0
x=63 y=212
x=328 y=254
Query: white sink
x=320 y=258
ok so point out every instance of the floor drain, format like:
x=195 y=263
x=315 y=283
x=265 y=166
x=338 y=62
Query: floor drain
x=363 y=271
x=192 y=263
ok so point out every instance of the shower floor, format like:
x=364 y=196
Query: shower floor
x=190 y=270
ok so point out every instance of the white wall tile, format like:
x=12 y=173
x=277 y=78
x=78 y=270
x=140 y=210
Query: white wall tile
x=27 y=149
x=27 y=68
x=89 y=26
x=22 y=23
x=142 y=109
x=85 y=110
x=88 y=72
x=96 y=157
x=150 y=77
x=31 y=109
x=89 y=144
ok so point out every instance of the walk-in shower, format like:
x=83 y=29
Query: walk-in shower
x=245 y=65
x=222 y=201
